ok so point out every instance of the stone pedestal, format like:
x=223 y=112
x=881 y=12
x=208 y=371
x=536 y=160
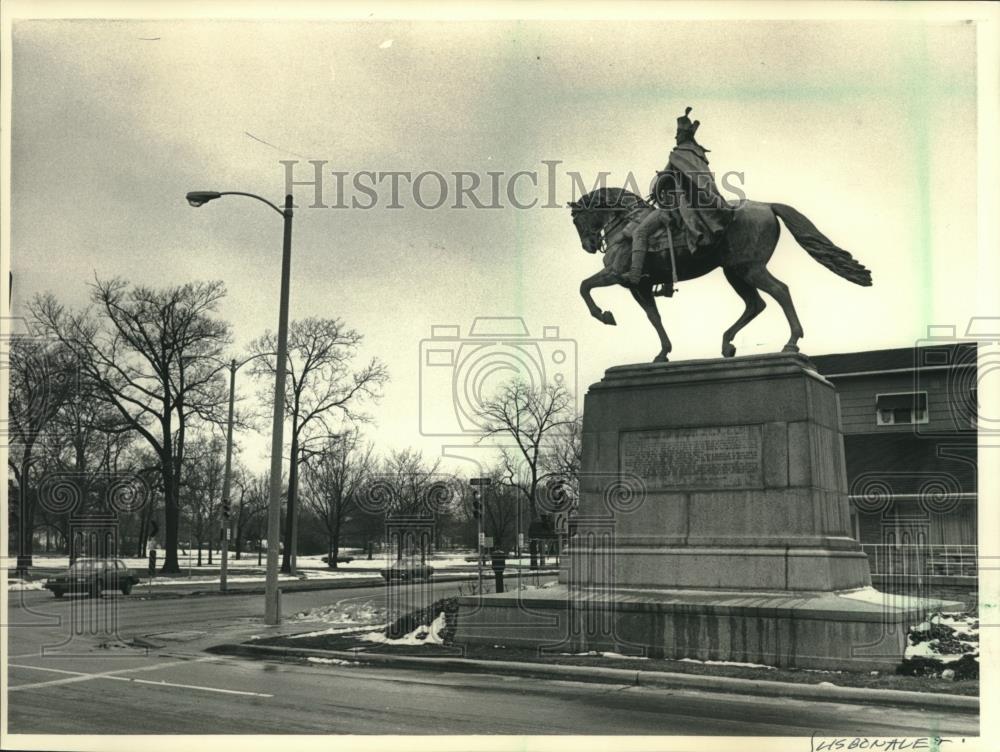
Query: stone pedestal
x=713 y=524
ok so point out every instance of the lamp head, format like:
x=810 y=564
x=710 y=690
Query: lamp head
x=197 y=198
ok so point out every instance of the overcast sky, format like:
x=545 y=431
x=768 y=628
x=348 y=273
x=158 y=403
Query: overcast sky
x=867 y=128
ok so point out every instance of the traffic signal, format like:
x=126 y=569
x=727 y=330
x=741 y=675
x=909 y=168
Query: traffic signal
x=225 y=508
x=477 y=505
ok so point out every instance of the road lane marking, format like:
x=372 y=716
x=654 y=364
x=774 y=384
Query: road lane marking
x=79 y=676
x=187 y=686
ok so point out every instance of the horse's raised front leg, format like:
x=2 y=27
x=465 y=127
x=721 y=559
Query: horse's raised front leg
x=753 y=302
x=644 y=297
x=603 y=278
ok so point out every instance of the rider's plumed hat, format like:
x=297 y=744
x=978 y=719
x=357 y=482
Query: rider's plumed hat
x=685 y=128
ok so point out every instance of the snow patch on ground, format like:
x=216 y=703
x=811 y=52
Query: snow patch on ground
x=422 y=635
x=619 y=655
x=873 y=596
x=725 y=663
x=600 y=654
x=331 y=661
x=543 y=586
x=332 y=631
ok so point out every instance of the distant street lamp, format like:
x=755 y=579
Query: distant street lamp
x=272 y=609
x=233 y=367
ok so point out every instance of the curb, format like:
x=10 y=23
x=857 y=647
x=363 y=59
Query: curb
x=661 y=679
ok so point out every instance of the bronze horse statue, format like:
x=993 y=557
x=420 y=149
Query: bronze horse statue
x=743 y=252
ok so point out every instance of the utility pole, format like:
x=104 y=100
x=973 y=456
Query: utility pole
x=227 y=480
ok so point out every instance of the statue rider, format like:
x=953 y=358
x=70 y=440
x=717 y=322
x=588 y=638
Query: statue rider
x=685 y=187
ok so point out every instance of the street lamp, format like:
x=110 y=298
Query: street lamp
x=272 y=609
x=197 y=198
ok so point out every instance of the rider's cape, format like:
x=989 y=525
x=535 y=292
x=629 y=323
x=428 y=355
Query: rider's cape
x=688 y=186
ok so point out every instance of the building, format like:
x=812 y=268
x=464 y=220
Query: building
x=909 y=422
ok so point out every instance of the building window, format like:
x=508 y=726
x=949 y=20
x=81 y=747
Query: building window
x=902 y=408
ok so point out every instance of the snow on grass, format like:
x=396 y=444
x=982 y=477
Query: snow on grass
x=312 y=566
x=962 y=631
x=422 y=635
x=17 y=584
x=343 y=618
x=362 y=612
x=185 y=562
x=331 y=575
x=964 y=625
x=945 y=645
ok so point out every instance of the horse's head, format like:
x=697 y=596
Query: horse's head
x=594 y=210
x=589 y=223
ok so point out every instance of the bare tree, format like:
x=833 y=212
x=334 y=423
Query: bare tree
x=153 y=354
x=525 y=420
x=500 y=509
x=93 y=446
x=252 y=516
x=202 y=490
x=323 y=385
x=43 y=377
x=242 y=508
x=332 y=483
x=409 y=487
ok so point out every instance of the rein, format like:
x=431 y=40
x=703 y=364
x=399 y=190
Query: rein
x=620 y=220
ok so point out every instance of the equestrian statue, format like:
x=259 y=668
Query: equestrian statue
x=685 y=230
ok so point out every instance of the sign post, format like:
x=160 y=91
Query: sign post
x=477 y=510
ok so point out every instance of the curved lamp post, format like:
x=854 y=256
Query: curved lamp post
x=272 y=609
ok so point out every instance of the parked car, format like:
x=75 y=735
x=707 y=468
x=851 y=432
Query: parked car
x=407 y=571
x=340 y=559
x=93 y=576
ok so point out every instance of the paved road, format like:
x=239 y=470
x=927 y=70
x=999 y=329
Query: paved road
x=180 y=689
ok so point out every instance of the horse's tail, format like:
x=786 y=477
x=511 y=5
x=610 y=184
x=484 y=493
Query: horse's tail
x=821 y=248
